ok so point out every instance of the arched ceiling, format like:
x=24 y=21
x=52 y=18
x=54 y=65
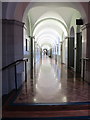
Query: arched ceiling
x=50 y=22
x=18 y=10
x=51 y=14
x=49 y=25
x=46 y=46
x=49 y=31
x=58 y=7
x=59 y=12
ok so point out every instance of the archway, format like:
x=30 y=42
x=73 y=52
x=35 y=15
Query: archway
x=71 y=48
x=78 y=50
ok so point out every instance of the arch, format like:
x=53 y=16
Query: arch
x=48 y=46
x=45 y=47
x=72 y=32
x=46 y=37
x=51 y=34
x=42 y=30
x=25 y=6
x=78 y=6
x=71 y=48
x=50 y=19
x=46 y=41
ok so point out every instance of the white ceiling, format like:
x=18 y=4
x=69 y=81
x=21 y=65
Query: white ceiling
x=54 y=20
x=62 y=13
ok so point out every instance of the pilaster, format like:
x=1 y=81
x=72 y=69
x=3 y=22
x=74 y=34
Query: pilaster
x=86 y=49
x=12 y=50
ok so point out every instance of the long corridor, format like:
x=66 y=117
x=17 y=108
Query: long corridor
x=53 y=83
x=44 y=53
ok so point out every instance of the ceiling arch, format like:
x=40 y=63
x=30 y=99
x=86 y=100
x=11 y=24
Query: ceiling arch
x=48 y=36
x=51 y=15
x=19 y=11
x=46 y=46
x=26 y=6
x=49 y=31
x=72 y=32
x=54 y=19
x=77 y=6
x=46 y=41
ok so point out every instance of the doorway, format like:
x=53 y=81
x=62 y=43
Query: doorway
x=71 y=49
x=79 y=52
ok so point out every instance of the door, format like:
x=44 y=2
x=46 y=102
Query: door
x=79 y=52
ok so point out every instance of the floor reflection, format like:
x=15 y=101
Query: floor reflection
x=53 y=83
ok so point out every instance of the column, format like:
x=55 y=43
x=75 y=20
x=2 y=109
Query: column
x=56 y=53
x=41 y=52
x=0 y=59
x=68 y=52
x=86 y=49
x=12 y=50
x=34 y=65
x=35 y=51
x=31 y=56
x=59 y=52
x=51 y=52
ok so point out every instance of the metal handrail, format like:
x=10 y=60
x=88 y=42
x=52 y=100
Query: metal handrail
x=14 y=64
x=84 y=60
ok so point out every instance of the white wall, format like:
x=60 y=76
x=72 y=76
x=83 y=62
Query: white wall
x=12 y=48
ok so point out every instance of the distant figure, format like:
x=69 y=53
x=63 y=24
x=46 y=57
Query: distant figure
x=46 y=52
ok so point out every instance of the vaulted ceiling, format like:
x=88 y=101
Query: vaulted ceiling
x=50 y=22
x=50 y=15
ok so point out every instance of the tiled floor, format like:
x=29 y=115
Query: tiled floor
x=53 y=84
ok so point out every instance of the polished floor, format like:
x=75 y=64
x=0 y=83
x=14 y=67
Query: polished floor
x=53 y=83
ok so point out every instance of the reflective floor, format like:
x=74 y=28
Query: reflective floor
x=53 y=83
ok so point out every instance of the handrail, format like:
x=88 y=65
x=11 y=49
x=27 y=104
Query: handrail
x=87 y=59
x=84 y=61
x=14 y=65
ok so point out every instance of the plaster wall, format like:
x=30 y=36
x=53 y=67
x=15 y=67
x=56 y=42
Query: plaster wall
x=12 y=50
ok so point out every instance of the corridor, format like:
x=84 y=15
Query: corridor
x=45 y=67
x=53 y=84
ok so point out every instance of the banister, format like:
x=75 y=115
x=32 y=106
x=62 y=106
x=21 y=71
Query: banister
x=14 y=65
x=83 y=62
x=87 y=59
